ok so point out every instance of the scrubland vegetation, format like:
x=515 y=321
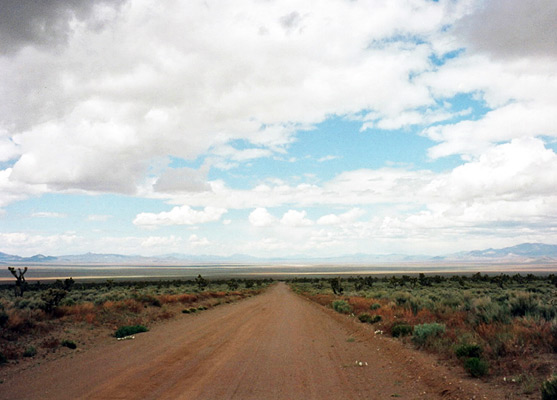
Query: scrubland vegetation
x=501 y=328
x=38 y=319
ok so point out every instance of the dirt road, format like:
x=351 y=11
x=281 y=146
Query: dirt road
x=273 y=346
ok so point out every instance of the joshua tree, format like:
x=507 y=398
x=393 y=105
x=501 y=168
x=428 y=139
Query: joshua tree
x=201 y=282
x=20 y=284
x=68 y=284
x=336 y=285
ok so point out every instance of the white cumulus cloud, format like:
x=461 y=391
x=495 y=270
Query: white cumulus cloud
x=196 y=241
x=183 y=215
x=130 y=85
x=294 y=218
x=260 y=217
x=338 y=219
x=47 y=214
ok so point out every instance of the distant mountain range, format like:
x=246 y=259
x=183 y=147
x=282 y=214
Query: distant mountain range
x=525 y=252
x=522 y=253
x=39 y=258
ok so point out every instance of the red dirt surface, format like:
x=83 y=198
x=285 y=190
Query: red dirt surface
x=276 y=345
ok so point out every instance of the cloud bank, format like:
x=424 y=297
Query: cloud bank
x=168 y=101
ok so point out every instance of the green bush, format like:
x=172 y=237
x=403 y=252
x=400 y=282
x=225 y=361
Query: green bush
x=365 y=318
x=375 y=318
x=523 y=304
x=3 y=319
x=476 y=367
x=486 y=311
x=68 y=302
x=415 y=305
x=468 y=350
x=401 y=329
x=69 y=344
x=51 y=299
x=375 y=306
x=547 y=312
x=402 y=298
x=129 y=330
x=423 y=332
x=549 y=388
x=30 y=352
x=342 y=307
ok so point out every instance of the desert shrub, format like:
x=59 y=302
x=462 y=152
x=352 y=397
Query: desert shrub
x=130 y=305
x=553 y=335
x=523 y=304
x=3 y=359
x=165 y=314
x=401 y=329
x=415 y=305
x=547 y=312
x=486 y=311
x=468 y=350
x=70 y=344
x=423 y=332
x=30 y=352
x=476 y=367
x=129 y=330
x=168 y=298
x=51 y=299
x=68 y=301
x=341 y=306
x=375 y=306
x=365 y=318
x=379 y=294
x=452 y=301
x=375 y=318
x=22 y=303
x=232 y=285
x=402 y=298
x=3 y=319
x=148 y=299
x=549 y=389
x=187 y=298
x=501 y=343
x=21 y=321
x=528 y=383
x=186 y=311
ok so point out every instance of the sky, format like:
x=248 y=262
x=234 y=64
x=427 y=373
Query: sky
x=277 y=128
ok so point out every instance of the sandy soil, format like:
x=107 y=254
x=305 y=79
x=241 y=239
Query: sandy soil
x=273 y=346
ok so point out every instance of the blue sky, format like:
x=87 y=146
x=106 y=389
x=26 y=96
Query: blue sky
x=277 y=128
